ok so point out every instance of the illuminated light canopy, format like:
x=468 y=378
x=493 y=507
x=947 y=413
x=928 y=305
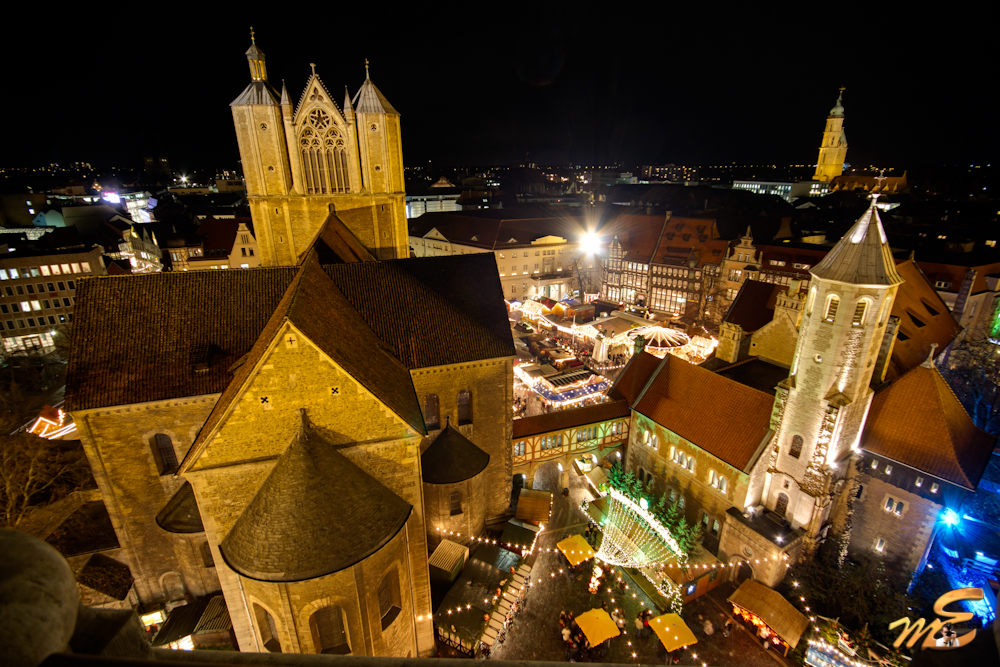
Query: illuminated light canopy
x=52 y=424
x=633 y=537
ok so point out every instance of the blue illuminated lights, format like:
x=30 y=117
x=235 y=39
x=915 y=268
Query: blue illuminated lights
x=950 y=517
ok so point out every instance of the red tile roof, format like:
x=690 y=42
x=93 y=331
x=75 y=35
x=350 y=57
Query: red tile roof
x=918 y=421
x=918 y=296
x=725 y=418
x=557 y=421
x=634 y=377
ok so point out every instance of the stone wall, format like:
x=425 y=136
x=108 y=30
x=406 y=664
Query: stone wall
x=295 y=375
x=491 y=385
x=355 y=590
x=907 y=535
x=166 y=566
x=470 y=522
x=700 y=498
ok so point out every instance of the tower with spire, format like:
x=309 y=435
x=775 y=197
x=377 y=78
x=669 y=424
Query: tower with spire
x=820 y=409
x=833 y=149
x=306 y=162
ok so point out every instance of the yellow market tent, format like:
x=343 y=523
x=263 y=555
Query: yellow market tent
x=576 y=549
x=672 y=631
x=597 y=625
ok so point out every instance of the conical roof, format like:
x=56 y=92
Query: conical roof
x=284 y=94
x=315 y=514
x=371 y=100
x=863 y=256
x=452 y=458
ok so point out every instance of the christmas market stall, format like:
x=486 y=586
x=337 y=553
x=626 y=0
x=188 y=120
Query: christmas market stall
x=598 y=626
x=576 y=549
x=534 y=506
x=447 y=562
x=672 y=631
x=774 y=618
x=519 y=536
x=478 y=609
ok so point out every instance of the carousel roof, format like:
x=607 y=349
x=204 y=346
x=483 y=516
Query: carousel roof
x=661 y=337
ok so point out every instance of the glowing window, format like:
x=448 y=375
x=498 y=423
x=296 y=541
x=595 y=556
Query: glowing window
x=880 y=545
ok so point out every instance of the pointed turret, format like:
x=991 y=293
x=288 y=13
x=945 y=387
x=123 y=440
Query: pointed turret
x=370 y=99
x=259 y=91
x=862 y=256
x=285 y=100
x=348 y=107
x=258 y=71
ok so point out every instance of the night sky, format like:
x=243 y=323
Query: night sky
x=587 y=84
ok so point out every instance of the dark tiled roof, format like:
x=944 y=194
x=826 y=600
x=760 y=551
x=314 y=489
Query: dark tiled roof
x=556 y=421
x=918 y=296
x=753 y=306
x=139 y=338
x=634 y=377
x=434 y=310
x=733 y=430
x=452 y=458
x=314 y=304
x=106 y=575
x=755 y=372
x=337 y=244
x=918 y=421
x=295 y=527
x=181 y=622
x=169 y=335
x=180 y=514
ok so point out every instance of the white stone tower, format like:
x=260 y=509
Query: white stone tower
x=833 y=150
x=820 y=409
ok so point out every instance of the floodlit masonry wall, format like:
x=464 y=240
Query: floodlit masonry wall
x=470 y=522
x=294 y=374
x=355 y=590
x=166 y=566
x=907 y=535
x=490 y=383
x=700 y=498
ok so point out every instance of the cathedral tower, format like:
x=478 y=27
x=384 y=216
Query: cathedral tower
x=833 y=150
x=304 y=163
x=820 y=409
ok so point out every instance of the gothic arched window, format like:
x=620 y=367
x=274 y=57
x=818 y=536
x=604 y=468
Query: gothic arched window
x=796 y=449
x=324 y=155
x=329 y=631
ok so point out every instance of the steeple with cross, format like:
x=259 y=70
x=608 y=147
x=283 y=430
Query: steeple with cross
x=833 y=149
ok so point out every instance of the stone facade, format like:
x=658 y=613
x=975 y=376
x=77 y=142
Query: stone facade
x=121 y=449
x=354 y=593
x=467 y=520
x=490 y=384
x=654 y=453
x=294 y=375
x=300 y=164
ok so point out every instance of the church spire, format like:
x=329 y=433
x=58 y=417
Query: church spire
x=862 y=256
x=348 y=107
x=258 y=72
x=285 y=99
x=838 y=109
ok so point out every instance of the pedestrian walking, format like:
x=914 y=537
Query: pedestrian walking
x=727 y=627
x=638 y=625
x=708 y=628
